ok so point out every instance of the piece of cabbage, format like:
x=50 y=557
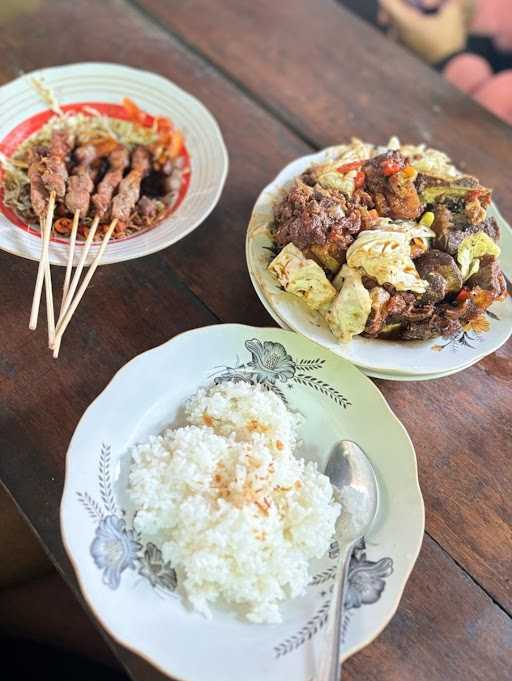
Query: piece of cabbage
x=302 y=277
x=349 y=312
x=471 y=249
x=415 y=230
x=329 y=178
x=430 y=161
x=385 y=255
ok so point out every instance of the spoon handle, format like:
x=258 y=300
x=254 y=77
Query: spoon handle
x=333 y=652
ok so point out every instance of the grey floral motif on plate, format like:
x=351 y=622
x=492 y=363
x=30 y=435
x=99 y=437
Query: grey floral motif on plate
x=273 y=367
x=117 y=547
x=365 y=584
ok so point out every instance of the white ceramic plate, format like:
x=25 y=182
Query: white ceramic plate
x=386 y=357
x=106 y=85
x=129 y=588
x=397 y=376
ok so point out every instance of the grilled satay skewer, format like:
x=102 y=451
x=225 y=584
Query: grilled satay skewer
x=43 y=204
x=118 y=160
x=122 y=205
x=48 y=175
x=78 y=196
x=129 y=188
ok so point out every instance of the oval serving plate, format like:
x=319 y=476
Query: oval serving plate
x=129 y=588
x=386 y=357
x=22 y=112
x=395 y=376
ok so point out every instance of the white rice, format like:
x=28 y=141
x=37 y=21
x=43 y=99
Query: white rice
x=236 y=513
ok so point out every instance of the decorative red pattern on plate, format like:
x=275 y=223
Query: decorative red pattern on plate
x=31 y=125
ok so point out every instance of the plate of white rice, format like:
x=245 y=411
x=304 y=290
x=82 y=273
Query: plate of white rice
x=198 y=518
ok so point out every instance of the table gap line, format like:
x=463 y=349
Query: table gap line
x=503 y=608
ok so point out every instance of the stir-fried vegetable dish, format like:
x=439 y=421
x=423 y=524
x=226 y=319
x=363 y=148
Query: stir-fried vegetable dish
x=389 y=242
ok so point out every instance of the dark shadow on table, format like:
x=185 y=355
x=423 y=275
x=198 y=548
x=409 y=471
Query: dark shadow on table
x=29 y=661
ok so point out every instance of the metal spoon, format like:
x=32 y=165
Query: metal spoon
x=351 y=475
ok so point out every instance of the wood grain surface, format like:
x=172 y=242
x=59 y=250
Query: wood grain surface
x=282 y=79
x=333 y=77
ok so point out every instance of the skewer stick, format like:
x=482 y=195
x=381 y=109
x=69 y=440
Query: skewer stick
x=41 y=272
x=71 y=253
x=50 y=314
x=67 y=298
x=61 y=327
x=79 y=268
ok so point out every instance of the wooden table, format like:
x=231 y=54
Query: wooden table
x=282 y=78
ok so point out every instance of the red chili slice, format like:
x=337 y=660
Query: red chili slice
x=349 y=166
x=463 y=295
x=390 y=167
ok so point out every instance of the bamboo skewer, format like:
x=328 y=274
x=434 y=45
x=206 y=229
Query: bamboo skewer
x=43 y=272
x=71 y=253
x=79 y=268
x=50 y=314
x=72 y=305
x=66 y=300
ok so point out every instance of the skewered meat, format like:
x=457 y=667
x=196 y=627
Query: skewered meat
x=85 y=155
x=80 y=183
x=61 y=144
x=129 y=188
x=39 y=195
x=79 y=191
x=146 y=211
x=141 y=160
x=55 y=173
x=118 y=160
x=125 y=200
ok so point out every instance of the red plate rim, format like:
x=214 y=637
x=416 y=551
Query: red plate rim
x=30 y=126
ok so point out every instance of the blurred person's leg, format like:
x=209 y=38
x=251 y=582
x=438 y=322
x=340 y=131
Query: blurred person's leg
x=468 y=72
x=496 y=95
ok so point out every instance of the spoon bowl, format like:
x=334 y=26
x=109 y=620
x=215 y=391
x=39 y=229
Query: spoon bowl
x=355 y=486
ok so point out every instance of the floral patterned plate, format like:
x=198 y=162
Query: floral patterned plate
x=395 y=376
x=437 y=356
x=135 y=594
